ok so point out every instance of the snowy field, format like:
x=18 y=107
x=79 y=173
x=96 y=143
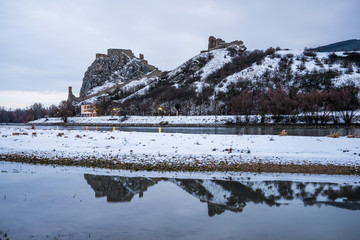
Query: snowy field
x=151 y=148
x=141 y=120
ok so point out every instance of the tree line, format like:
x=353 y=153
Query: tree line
x=37 y=110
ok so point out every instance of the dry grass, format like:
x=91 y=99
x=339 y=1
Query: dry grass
x=60 y=134
x=334 y=134
x=229 y=150
x=34 y=134
x=186 y=166
x=354 y=134
x=18 y=133
x=164 y=123
x=78 y=136
x=283 y=133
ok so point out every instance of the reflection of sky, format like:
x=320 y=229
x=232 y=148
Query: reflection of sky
x=48 y=45
x=43 y=204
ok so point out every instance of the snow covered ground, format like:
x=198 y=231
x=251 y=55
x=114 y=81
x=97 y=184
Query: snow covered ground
x=141 y=120
x=152 y=148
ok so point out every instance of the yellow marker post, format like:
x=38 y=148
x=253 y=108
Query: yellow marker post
x=113 y=128
x=159 y=130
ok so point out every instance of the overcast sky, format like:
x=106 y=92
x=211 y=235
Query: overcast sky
x=47 y=45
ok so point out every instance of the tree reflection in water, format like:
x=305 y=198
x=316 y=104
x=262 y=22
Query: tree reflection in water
x=232 y=195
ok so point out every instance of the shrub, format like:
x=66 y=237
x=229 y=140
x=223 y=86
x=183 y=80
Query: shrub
x=18 y=133
x=354 y=134
x=283 y=133
x=309 y=53
x=334 y=134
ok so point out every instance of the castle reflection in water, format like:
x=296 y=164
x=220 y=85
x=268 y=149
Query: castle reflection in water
x=221 y=196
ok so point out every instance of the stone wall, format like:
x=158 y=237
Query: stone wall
x=99 y=55
x=118 y=52
x=217 y=43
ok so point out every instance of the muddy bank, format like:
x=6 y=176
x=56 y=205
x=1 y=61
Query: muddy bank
x=210 y=166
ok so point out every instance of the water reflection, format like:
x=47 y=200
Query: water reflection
x=212 y=130
x=118 y=189
x=221 y=196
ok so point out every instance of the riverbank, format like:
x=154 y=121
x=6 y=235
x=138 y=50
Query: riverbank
x=181 y=121
x=181 y=152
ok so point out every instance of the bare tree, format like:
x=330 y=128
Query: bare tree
x=345 y=101
x=66 y=110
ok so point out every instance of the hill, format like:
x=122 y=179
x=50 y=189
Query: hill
x=349 y=45
x=225 y=79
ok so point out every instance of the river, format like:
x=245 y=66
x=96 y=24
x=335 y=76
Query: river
x=298 y=131
x=46 y=202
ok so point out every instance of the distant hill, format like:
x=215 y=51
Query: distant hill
x=349 y=45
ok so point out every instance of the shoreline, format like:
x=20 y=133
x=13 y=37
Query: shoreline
x=258 y=167
x=265 y=125
x=187 y=121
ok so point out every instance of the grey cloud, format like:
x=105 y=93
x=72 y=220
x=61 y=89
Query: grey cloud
x=49 y=44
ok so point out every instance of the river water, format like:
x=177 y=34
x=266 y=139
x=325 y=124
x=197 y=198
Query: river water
x=61 y=203
x=212 y=130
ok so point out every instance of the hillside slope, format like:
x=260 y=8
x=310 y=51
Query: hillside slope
x=217 y=81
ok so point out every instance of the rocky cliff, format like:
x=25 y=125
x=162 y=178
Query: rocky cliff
x=118 y=65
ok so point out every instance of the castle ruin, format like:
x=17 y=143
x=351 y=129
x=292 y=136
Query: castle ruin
x=120 y=52
x=121 y=57
x=218 y=43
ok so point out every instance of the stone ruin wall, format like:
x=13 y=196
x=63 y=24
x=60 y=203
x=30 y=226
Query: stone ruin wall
x=218 y=43
x=128 y=52
x=117 y=52
x=99 y=55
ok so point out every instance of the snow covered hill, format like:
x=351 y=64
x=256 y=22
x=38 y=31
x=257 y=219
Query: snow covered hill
x=206 y=83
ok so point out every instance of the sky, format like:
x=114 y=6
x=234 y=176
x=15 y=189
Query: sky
x=46 y=46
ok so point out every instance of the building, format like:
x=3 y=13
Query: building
x=88 y=110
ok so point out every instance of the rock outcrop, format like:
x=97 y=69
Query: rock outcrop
x=118 y=65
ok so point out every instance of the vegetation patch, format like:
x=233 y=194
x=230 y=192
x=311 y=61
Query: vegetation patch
x=186 y=166
x=334 y=134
